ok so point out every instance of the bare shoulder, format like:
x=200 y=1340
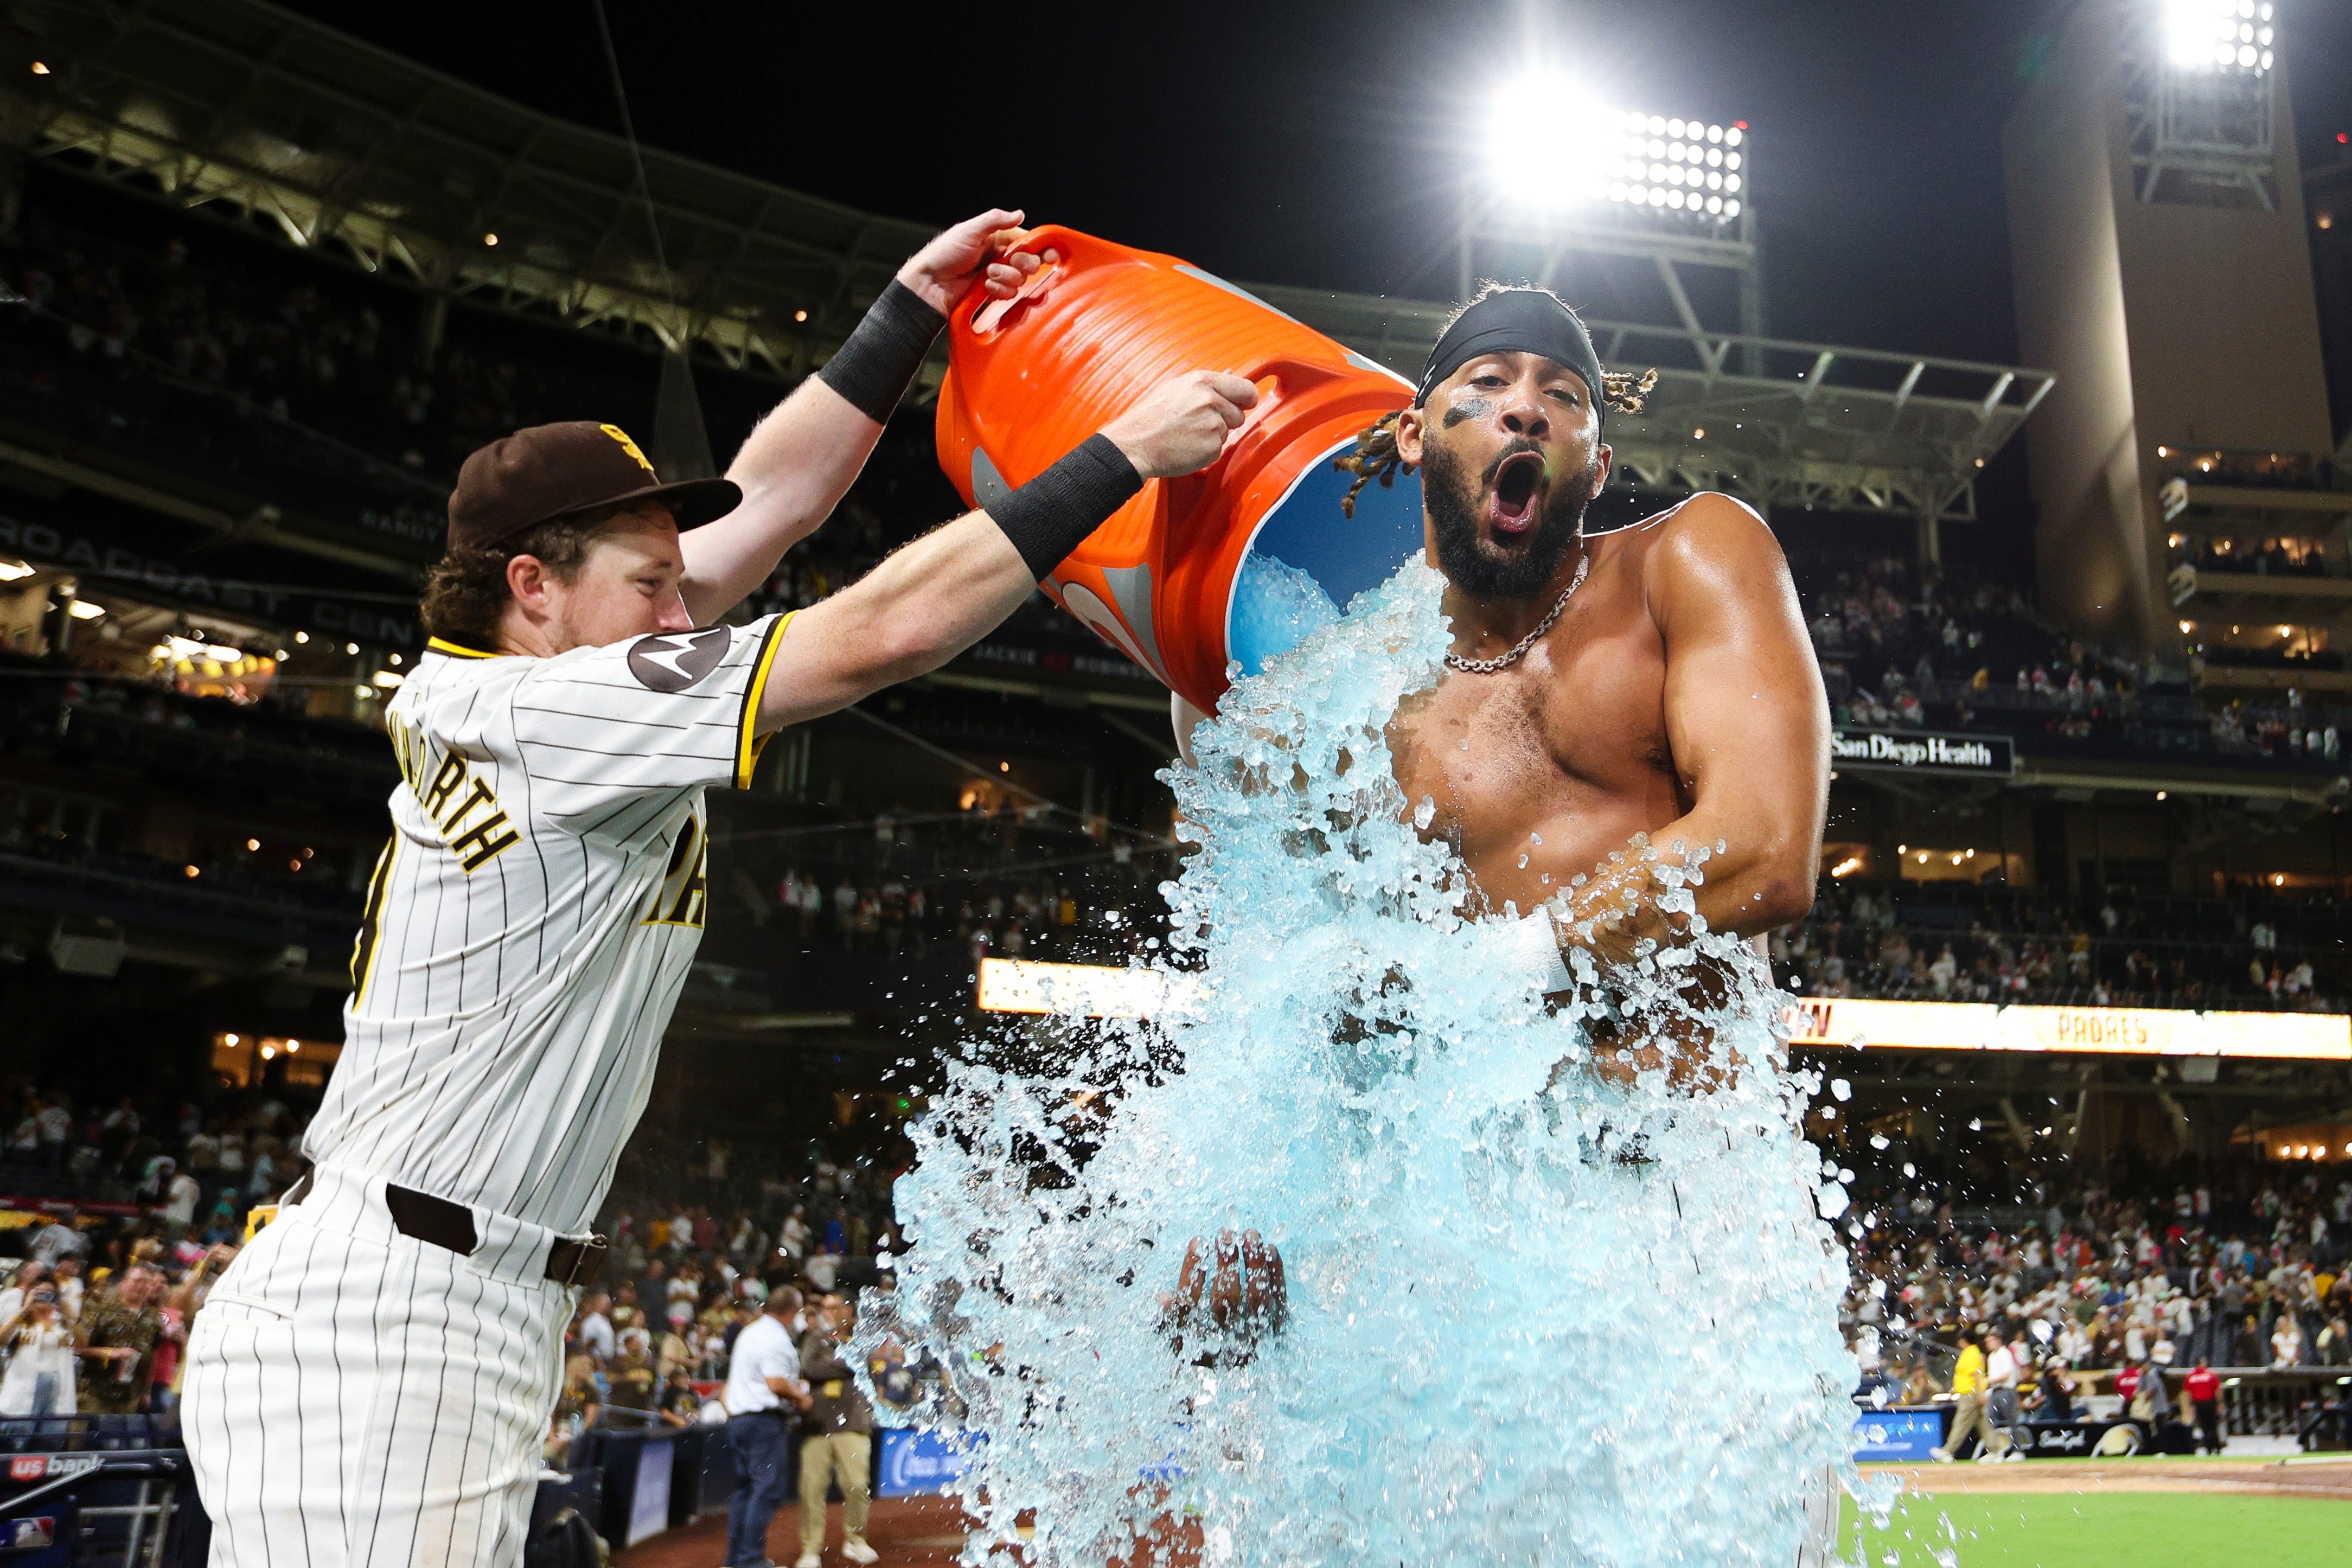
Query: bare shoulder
x=1714 y=546
x=1711 y=528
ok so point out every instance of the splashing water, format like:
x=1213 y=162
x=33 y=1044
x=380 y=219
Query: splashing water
x=1532 y=1316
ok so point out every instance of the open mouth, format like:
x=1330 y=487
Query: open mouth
x=1513 y=510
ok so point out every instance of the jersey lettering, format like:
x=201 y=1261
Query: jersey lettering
x=489 y=835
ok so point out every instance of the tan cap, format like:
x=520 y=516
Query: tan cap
x=550 y=471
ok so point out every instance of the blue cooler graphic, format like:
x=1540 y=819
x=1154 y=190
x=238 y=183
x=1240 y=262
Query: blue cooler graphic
x=1308 y=561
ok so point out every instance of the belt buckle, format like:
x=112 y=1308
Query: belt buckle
x=581 y=1251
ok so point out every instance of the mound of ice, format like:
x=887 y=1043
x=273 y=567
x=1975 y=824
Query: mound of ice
x=1275 y=607
x=1534 y=1319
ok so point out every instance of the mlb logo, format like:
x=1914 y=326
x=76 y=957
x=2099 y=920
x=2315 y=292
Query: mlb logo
x=30 y=1534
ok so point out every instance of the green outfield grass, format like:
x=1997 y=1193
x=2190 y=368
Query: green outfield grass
x=2101 y=1529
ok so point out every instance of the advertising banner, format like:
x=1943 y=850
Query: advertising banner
x=2091 y=1031
x=1013 y=985
x=1905 y=1434
x=1857 y=1021
x=1081 y=990
x=1916 y=751
x=918 y=1462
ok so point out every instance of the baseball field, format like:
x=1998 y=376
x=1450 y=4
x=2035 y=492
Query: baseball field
x=2070 y=1513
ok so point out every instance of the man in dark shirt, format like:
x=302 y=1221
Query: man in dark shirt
x=837 y=1441
x=680 y=1404
x=630 y=1375
x=125 y=1326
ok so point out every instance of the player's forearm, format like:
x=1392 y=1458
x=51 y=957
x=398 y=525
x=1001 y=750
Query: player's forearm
x=795 y=469
x=802 y=459
x=921 y=608
x=1761 y=877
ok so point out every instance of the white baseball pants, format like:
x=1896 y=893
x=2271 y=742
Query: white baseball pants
x=358 y=1398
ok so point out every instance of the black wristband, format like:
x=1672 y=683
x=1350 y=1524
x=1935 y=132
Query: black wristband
x=1049 y=516
x=876 y=366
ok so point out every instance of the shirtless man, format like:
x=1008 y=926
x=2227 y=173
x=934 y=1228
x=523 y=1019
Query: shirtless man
x=1656 y=680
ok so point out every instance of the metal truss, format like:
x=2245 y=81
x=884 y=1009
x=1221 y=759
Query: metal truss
x=347 y=148
x=1786 y=423
x=2195 y=133
x=1669 y=241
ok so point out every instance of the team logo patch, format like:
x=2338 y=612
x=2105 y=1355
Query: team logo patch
x=673 y=661
x=627 y=445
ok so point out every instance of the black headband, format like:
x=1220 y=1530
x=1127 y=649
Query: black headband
x=1529 y=321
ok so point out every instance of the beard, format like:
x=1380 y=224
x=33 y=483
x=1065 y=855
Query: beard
x=1455 y=501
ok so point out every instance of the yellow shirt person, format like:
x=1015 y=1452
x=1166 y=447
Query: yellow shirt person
x=1968 y=1375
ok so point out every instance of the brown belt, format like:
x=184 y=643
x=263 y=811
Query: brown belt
x=450 y=1225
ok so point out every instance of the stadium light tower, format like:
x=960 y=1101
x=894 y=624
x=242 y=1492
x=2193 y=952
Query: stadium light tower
x=2200 y=79
x=1566 y=175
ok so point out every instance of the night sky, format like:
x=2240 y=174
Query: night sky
x=1326 y=144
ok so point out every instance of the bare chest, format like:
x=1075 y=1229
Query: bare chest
x=1535 y=773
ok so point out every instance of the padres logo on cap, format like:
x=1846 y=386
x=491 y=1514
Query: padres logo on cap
x=627 y=445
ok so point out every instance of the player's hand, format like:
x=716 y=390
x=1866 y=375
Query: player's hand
x=977 y=250
x=1230 y=1302
x=1180 y=425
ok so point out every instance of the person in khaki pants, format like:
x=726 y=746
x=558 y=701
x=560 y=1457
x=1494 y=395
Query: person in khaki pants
x=837 y=1443
x=1971 y=1389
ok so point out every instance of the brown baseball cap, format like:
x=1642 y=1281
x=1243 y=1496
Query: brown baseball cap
x=550 y=471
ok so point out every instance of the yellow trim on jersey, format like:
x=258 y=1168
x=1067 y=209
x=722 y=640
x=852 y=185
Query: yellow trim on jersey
x=748 y=741
x=370 y=940
x=443 y=645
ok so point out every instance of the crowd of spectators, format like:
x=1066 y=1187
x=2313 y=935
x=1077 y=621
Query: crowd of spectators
x=2113 y=1286
x=343 y=360
x=683 y=1280
x=1963 y=942
x=1002 y=879
x=1903 y=649
x=127 y=1213
x=2263 y=556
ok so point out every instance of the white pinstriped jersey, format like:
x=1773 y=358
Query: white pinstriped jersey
x=532 y=919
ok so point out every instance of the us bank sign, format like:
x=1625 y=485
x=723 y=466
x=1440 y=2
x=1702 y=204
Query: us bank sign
x=1914 y=751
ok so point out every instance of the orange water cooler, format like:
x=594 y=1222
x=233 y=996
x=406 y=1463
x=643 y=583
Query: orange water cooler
x=1232 y=565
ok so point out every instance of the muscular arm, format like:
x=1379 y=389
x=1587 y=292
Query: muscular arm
x=795 y=469
x=1747 y=724
x=802 y=457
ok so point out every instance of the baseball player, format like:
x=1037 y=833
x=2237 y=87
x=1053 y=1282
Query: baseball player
x=368 y=1382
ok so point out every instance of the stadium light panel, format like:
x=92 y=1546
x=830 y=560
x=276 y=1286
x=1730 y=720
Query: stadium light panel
x=2219 y=35
x=1550 y=146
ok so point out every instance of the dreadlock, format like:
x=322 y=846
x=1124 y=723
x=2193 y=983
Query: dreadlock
x=1375 y=456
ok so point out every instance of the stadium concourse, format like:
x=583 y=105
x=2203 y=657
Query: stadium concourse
x=2071 y=1008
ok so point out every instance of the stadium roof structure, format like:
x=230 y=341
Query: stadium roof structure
x=405 y=170
x=1775 y=421
x=354 y=150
